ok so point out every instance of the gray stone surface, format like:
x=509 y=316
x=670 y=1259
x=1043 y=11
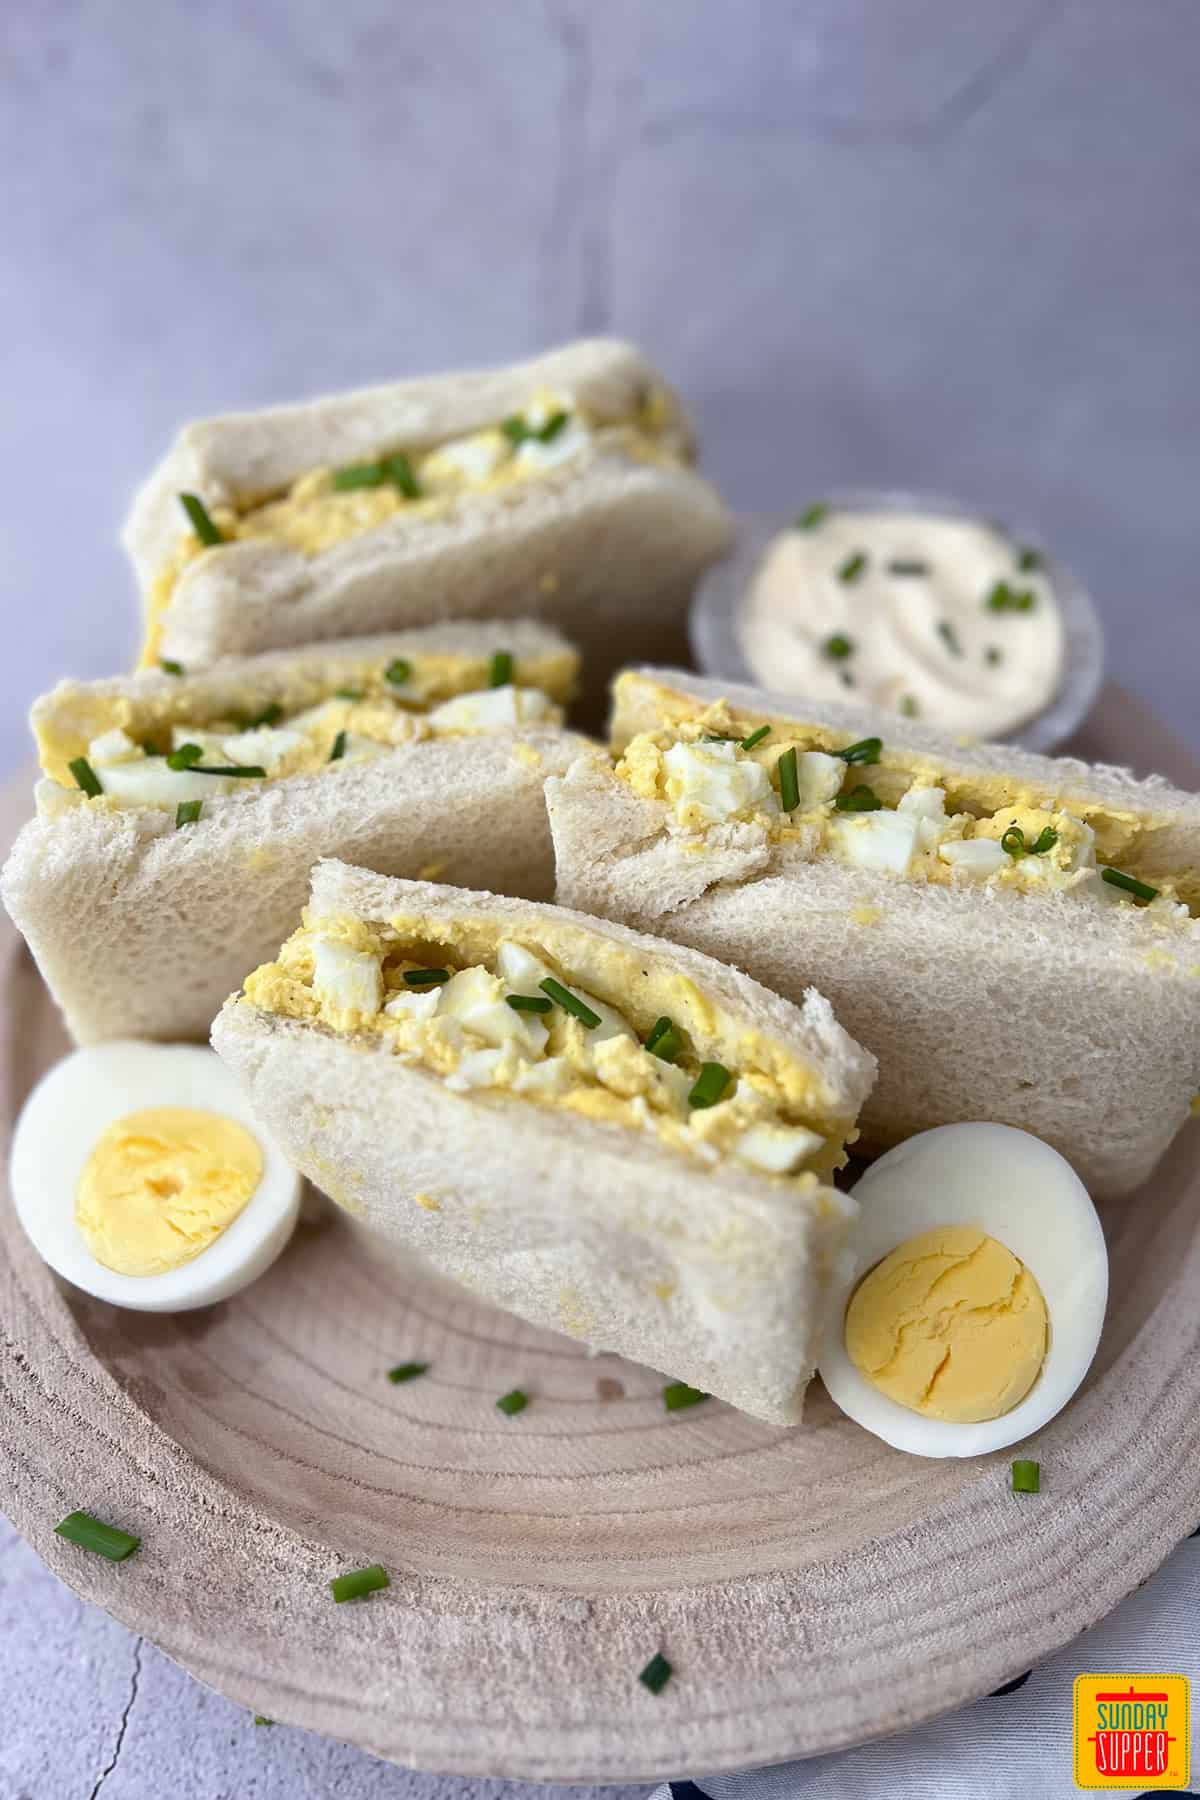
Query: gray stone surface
x=933 y=242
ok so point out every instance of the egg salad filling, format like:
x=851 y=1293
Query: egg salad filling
x=640 y=1048
x=890 y=814
x=147 y=755
x=326 y=506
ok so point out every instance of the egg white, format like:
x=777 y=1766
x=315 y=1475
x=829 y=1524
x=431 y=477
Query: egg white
x=58 y=1128
x=1025 y=1195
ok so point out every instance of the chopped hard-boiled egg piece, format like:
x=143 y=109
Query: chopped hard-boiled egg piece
x=476 y=999
x=547 y=1079
x=476 y=1069
x=565 y=444
x=491 y=709
x=412 y=1003
x=346 y=980
x=779 y=1149
x=465 y=462
x=978 y=857
x=113 y=747
x=709 y=783
x=520 y=968
x=818 y=778
x=266 y=745
x=876 y=840
x=149 y=782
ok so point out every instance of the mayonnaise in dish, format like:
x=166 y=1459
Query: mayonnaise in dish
x=937 y=617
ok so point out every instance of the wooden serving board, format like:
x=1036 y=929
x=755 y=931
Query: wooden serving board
x=811 y=1587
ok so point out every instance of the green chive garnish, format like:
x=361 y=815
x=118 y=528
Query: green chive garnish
x=420 y=978
x=169 y=666
x=93 y=1534
x=534 y=1003
x=513 y=1402
x=262 y=1719
x=514 y=428
x=656 y=1674
x=245 y=771
x=900 y=567
x=1013 y=842
x=719 y=737
x=550 y=430
x=1026 y=1478
x=677 y=1395
x=567 y=1000
x=406 y=1372
x=398 y=672
x=993 y=655
x=812 y=516
x=710 y=1085
x=1029 y=559
x=270 y=715
x=664 y=1040
x=85 y=776
x=865 y=751
x=659 y=1029
x=359 y=475
x=359 y=1582
x=859 y=799
x=339 y=747
x=399 y=472
x=187 y=812
x=789 y=780
x=348 y=693
x=949 y=637
x=838 y=645
x=1129 y=883
x=185 y=757
x=1006 y=599
x=756 y=737
x=501 y=672
x=853 y=567
x=908 y=706
x=202 y=525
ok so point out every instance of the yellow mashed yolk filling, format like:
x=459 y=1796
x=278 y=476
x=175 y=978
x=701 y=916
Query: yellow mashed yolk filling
x=308 y=726
x=718 y=1088
x=951 y=1325
x=324 y=507
x=161 y=1185
x=889 y=811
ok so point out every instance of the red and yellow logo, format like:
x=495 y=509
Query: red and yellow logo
x=1132 y=1731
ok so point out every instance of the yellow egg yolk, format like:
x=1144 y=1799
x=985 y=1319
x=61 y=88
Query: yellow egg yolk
x=951 y=1325
x=161 y=1185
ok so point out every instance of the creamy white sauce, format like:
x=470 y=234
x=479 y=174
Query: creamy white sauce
x=912 y=623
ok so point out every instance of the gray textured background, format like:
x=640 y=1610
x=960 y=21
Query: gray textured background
x=936 y=242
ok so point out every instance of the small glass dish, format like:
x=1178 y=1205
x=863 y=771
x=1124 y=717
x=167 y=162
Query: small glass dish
x=712 y=624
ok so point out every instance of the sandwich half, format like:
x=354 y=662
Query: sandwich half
x=599 y=1131
x=179 y=815
x=561 y=487
x=1011 y=934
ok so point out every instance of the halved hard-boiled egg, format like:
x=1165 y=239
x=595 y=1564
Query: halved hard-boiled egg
x=140 y=1175
x=973 y=1303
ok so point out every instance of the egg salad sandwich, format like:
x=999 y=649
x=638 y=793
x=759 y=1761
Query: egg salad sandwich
x=180 y=814
x=1012 y=935
x=562 y=487
x=599 y=1131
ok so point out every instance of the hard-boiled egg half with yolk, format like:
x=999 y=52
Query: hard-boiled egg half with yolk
x=973 y=1304
x=140 y=1175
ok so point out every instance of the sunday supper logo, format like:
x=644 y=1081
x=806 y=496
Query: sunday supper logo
x=1132 y=1731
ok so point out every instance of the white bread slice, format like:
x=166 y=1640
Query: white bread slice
x=606 y=546
x=1079 y=1024
x=141 y=930
x=717 y=1277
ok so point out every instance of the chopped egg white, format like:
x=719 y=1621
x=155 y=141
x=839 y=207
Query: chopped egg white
x=818 y=778
x=149 y=782
x=977 y=857
x=111 y=747
x=709 y=783
x=778 y=1149
x=465 y=461
x=490 y=709
x=347 y=980
x=476 y=999
x=876 y=840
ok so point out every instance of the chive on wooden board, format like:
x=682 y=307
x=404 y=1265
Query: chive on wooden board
x=811 y=1588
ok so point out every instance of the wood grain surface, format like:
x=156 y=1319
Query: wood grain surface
x=811 y=1587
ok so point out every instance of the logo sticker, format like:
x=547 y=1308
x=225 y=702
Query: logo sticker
x=1132 y=1731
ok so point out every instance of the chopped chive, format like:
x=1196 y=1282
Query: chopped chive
x=187 y=812
x=399 y=472
x=789 y=780
x=677 y=1394
x=1026 y=1477
x=398 y=672
x=534 y=1003
x=865 y=751
x=569 y=1003
x=1046 y=839
x=719 y=737
x=420 y=978
x=838 y=646
x=348 y=693
x=501 y=672
x=667 y=1045
x=85 y=776
x=1003 y=598
x=270 y=715
x=245 y=771
x=262 y=1719
x=406 y=1372
x=93 y=1534
x=514 y=428
x=709 y=1086
x=547 y=433
x=812 y=516
x=359 y=475
x=993 y=655
x=859 y=799
x=202 y=525
x=1129 y=883
x=756 y=737
x=359 y=1582
x=339 y=747
x=1013 y=842
x=908 y=706
x=169 y=666
x=514 y=1402
x=853 y=567
x=656 y=1674
x=185 y=757
x=901 y=567
x=1028 y=560
x=949 y=637
x=659 y=1029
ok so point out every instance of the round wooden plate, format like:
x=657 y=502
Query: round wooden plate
x=812 y=1588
